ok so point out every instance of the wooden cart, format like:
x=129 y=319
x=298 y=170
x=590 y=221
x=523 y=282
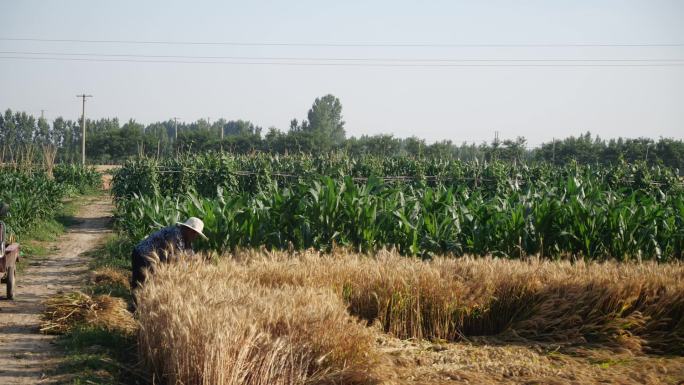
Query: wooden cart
x=9 y=255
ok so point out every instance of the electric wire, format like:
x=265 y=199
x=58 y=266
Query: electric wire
x=346 y=44
x=362 y=59
x=349 y=64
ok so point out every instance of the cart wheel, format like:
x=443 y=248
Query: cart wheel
x=10 y=282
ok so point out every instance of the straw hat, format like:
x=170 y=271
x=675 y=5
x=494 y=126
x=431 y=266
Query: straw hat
x=194 y=224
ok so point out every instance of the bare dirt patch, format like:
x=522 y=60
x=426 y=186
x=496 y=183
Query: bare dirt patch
x=107 y=172
x=26 y=355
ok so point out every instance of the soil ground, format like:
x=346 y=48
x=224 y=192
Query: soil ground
x=106 y=171
x=26 y=355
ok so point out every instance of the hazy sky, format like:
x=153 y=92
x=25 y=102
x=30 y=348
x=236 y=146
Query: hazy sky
x=433 y=102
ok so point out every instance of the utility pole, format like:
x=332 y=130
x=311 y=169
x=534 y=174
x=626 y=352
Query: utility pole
x=496 y=145
x=222 y=128
x=83 y=126
x=42 y=114
x=175 y=126
x=553 y=151
x=175 y=129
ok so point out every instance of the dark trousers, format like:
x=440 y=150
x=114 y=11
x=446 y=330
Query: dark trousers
x=139 y=264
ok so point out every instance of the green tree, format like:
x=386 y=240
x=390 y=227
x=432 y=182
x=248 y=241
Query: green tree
x=241 y=128
x=415 y=146
x=325 y=122
x=43 y=133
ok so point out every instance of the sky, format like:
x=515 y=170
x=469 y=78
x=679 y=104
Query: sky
x=427 y=84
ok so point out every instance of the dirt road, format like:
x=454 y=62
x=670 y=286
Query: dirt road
x=26 y=356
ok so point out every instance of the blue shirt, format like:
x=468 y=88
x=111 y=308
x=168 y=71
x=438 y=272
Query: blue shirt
x=163 y=241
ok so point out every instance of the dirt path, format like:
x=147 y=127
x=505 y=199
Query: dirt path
x=25 y=354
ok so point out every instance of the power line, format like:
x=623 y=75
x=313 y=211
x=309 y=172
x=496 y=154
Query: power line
x=331 y=64
x=364 y=59
x=347 y=44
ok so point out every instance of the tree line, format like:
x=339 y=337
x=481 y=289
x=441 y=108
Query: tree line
x=110 y=141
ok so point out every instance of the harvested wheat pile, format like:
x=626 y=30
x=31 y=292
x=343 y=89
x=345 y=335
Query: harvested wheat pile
x=66 y=311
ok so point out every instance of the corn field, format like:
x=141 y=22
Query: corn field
x=253 y=173
x=78 y=178
x=419 y=207
x=34 y=197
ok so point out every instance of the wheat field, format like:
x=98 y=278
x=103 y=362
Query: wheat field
x=258 y=317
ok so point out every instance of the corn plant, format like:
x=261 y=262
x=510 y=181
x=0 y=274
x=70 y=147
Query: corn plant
x=81 y=179
x=34 y=197
x=553 y=212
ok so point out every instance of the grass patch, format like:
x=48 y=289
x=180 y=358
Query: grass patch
x=96 y=355
x=111 y=289
x=115 y=252
x=92 y=369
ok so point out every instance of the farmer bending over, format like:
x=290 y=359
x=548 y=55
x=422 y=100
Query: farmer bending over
x=166 y=243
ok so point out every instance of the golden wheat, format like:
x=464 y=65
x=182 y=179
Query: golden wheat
x=203 y=324
x=638 y=307
x=258 y=317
